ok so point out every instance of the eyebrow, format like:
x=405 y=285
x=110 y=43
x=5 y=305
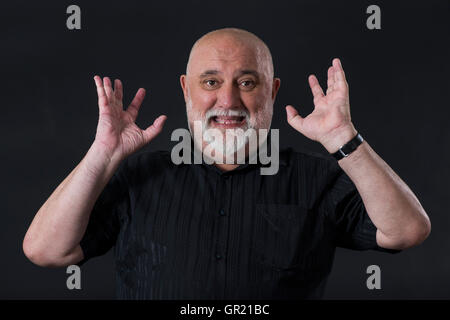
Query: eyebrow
x=240 y=73
x=249 y=71
x=208 y=73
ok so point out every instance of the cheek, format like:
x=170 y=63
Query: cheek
x=256 y=103
x=260 y=108
x=202 y=100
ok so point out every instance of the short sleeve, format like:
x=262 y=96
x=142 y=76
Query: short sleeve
x=104 y=220
x=353 y=227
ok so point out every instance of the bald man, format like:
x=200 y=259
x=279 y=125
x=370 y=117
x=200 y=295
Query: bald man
x=223 y=230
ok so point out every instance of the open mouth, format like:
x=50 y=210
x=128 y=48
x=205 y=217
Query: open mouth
x=227 y=121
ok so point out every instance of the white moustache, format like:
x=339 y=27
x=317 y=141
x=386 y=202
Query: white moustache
x=226 y=113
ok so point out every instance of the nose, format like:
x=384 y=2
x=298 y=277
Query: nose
x=229 y=96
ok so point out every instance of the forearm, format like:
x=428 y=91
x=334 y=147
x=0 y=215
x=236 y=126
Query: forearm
x=60 y=223
x=393 y=208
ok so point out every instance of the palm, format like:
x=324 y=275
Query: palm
x=331 y=110
x=117 y=131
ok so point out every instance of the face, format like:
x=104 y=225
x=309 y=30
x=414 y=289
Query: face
x=228 y=86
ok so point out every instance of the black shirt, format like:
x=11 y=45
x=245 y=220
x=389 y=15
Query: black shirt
x=192 y=231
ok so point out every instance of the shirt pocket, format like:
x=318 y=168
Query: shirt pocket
x=281 y=236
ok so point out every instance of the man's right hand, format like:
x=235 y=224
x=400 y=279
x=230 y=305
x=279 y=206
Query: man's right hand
x=117 y=135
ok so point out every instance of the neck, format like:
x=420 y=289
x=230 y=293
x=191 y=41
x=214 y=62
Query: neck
x=226 y=167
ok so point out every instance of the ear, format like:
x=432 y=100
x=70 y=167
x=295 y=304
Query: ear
x=275 y=87
x=183 y=86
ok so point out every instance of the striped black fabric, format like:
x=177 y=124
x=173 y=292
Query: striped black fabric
x=196 y=232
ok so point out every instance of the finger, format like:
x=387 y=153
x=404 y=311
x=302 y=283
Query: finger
x=102 y=98
x=339 y=75
x=118 y=89
x=108 y=88
x=293 y=118
x=316 y=89
x=134 y=106
x=330 y=81
x=153 y=130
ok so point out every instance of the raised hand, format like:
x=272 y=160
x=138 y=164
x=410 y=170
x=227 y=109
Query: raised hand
x=330 y=122
x=117 y=135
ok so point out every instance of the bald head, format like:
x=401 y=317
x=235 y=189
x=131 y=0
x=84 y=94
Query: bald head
x=228 y=41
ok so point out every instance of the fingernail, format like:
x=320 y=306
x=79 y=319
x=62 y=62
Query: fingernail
x=289 y=112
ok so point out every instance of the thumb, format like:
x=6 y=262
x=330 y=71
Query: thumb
x=153 y=130
x=293 y=118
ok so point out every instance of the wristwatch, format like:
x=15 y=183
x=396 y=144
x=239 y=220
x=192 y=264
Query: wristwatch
x=348 y=148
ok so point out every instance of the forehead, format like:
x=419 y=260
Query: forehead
x=226 y=55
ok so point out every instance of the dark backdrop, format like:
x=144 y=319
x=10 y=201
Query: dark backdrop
x=399 y=95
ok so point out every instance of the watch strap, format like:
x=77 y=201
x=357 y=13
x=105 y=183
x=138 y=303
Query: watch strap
x=349 y=147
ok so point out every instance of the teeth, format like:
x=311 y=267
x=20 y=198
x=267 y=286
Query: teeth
x=221 y=121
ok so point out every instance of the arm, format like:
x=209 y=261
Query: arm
x=391 y=205
x=54 y=235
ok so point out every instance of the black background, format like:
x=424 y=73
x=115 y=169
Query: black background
x=399 y=97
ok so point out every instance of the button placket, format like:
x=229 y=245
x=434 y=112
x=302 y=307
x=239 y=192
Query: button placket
x=222 y=221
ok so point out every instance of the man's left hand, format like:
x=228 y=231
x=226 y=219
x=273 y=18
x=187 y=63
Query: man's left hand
x=330 y=122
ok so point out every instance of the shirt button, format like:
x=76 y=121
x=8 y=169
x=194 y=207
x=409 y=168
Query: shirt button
x=222 y=212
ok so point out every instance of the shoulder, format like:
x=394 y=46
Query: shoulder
x=143 y=158
x=144 y=163
x=308 y=158
x=311 y=167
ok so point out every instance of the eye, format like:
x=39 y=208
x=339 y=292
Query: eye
x=248 y=84
x=210 y=83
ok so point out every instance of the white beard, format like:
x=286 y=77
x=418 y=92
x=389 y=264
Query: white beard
x=232 y=139
x=239 y=136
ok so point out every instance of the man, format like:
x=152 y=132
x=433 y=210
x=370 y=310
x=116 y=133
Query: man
x=224 y=231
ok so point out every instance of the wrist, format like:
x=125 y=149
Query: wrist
x=338 y=137
x=99 y=161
